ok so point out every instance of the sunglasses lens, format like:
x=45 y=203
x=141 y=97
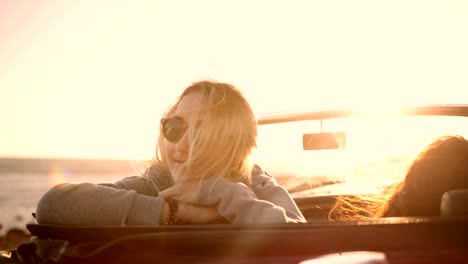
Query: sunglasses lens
x=173 y=129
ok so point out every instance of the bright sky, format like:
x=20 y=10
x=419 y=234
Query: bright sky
x=91 y=78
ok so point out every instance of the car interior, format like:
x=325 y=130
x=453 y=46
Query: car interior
x=442 y=239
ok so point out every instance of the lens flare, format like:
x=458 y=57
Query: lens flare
x=59 y=174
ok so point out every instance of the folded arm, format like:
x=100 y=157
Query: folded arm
x=238 y=203
x=266 y=188
x=127 y=202
x=266 y=204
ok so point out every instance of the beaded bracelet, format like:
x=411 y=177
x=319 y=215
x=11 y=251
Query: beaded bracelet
x=173 y=207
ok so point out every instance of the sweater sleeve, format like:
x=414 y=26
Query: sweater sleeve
x=266 y=188
x=141 y=185
x=238 y=204
x=94 y=204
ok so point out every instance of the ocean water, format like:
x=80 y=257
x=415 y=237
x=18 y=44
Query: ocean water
x=20 y=192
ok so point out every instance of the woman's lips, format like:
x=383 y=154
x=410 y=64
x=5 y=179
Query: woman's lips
x=178 y=160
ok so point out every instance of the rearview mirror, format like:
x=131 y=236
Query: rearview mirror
x=318 y=141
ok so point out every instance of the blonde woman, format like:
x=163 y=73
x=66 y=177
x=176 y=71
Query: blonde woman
x=201 y=173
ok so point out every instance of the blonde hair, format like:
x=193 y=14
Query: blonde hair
x=438 y=168
x=228 y=133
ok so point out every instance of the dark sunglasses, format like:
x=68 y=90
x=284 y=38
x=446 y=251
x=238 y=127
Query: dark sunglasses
x=173 y=129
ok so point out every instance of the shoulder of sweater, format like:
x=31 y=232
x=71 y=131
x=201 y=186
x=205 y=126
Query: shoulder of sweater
x=260 y=177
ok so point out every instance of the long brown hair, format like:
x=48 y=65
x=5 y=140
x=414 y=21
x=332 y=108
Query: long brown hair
x=438 y=168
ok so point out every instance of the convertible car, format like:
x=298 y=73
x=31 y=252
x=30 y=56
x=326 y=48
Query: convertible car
x=318 y=156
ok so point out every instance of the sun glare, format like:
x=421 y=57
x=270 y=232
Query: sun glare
x=85 y=80
x=378 y=149
x=59 y=174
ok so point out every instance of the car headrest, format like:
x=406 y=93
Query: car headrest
x=454 y=203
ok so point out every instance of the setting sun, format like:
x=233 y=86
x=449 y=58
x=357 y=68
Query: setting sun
x=92 y=78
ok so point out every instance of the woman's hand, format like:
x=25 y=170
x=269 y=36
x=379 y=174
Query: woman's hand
x=186 y=194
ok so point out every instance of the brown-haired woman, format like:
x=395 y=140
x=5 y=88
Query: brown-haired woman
x=440 y=167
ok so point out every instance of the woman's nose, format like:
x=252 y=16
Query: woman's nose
x=183 y=145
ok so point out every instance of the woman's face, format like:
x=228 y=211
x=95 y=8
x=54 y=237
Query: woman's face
x=176 y=153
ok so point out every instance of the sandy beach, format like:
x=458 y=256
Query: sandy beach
x=23 y=182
